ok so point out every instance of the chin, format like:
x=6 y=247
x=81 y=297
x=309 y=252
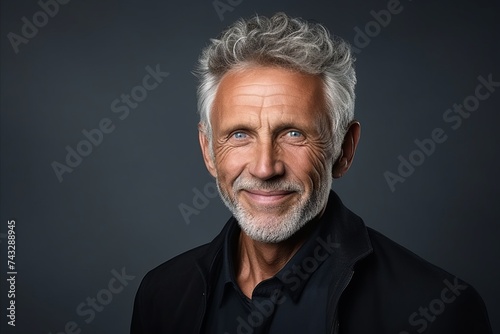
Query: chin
x=274 y=229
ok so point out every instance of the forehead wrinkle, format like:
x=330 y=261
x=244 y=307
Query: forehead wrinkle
x=267 y=110
x=282 y=88
x=265 y=101
x=268 y=95
x=261 y=116
x=263 y=85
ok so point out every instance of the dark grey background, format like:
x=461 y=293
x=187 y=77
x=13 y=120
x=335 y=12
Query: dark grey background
x=120 y=207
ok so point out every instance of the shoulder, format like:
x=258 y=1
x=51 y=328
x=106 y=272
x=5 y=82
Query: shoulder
x=409 y=293
x=189 y=265
x=174 y=271
x=390 y=258
x=157 y=306
x=395 y=274
x=171 y=293
x=405 y=270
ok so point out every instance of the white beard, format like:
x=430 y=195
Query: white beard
x=275 y=229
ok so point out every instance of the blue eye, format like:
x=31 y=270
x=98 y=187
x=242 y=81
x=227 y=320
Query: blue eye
x=294 y=134
x=239 y=135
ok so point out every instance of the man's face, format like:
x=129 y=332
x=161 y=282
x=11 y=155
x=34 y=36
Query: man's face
x=272 y=146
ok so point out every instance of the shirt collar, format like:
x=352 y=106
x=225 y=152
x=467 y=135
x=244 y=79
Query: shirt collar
x=228 y=268
x=230 y=244
x=297 y=272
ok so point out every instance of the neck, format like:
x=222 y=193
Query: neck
x=257 y=261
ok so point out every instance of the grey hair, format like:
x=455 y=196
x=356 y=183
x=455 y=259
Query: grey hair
x=286 y=42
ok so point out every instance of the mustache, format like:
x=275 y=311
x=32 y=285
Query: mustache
x=269 y=185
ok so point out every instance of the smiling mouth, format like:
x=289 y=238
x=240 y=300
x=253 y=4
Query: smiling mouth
x=267 y=197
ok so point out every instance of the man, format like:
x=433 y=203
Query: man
x=276 y=101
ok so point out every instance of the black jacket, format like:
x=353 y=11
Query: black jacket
x=385 y=289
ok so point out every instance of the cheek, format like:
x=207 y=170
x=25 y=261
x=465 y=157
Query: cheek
x=229 y=162
x=309 y=164
x=322 y=161
x=320 y=153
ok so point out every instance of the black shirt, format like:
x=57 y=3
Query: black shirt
x=295 y=300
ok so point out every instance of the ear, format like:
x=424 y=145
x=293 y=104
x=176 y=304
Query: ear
x=205 y=150
x=349 y=145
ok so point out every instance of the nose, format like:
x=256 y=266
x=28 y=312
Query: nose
x=265 y=161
